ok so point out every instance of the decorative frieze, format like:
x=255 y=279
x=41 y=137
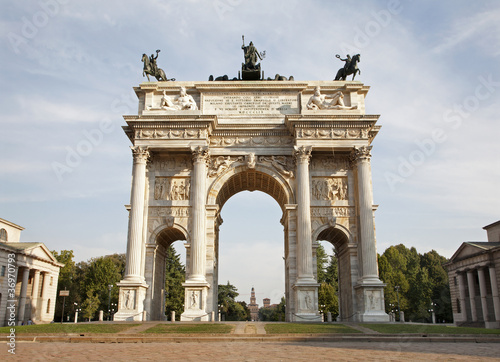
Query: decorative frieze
x=220 y=141
x=331 y=164
x=332 y=133
x=170 y=133
x=168 y=188
x=329 y=188
x=169 y=164
x=175 y=211
x=336 y=211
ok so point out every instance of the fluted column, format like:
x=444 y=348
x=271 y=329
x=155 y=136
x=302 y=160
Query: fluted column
x=472 y=294
x=494 y=292
x=198 y=247
x=22 y=296
x=304 y=247
x=34 y=295
x=45 y=288
x=482 y=292
x=461 y=293
x=361 y=157
x=136 y=219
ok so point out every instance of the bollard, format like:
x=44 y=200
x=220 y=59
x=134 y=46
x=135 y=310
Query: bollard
x=101 y=316
x=212 y=316
x=172 y=316
x=144 y=316
x=402 y=316
x=76 y=317
x=329 y=316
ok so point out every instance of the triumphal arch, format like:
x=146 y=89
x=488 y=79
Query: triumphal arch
x=305 y=143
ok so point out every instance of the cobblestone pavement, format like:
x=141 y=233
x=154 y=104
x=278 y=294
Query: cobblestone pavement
x=251 y=351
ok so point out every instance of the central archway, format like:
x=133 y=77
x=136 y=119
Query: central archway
x=228 y=184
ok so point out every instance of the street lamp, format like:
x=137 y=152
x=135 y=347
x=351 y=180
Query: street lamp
x=433 y=314
x=110 y=286
x=397 y=295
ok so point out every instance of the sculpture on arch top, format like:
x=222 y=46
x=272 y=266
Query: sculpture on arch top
x=320 y=101
x=151 y=68
x=350 y=67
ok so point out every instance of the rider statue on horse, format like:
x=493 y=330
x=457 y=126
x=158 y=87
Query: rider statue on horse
x=350 y=67
x=150 y=68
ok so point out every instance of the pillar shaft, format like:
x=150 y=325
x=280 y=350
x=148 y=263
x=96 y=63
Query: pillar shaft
x=362 y=157
x=136 y=218
x=198 y=247
x=472 y=294
x=304 y=247
x=22 y=296
x=45 y=288
x=34 y=295
x=482 y=292
x=494 y=292
x=462 y=296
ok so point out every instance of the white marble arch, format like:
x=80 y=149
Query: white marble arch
x=342 y=239
x=262 y=178
x=155 y=251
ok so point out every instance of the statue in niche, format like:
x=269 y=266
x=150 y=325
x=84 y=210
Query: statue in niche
x=321 y=101
x=129 y=300
x=151 y=68
x=350 y=67
x=183 y=102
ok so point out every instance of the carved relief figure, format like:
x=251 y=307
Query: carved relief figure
x=128 y=299
x=329 y=189
x=320 y=101
x=251 y=160
x=166 y=189
x=183 y=102
x=194 y=300
x=281 y=163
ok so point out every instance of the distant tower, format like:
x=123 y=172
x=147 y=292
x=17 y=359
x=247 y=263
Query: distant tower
x=254 y=307
x=267 y=302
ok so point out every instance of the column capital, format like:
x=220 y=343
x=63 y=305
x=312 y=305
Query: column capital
x=360 y=154
x=140 y=154
x=302 y=153
x=200 y=154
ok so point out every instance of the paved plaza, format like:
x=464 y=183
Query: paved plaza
x=254 y=351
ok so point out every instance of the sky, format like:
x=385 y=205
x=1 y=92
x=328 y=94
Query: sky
x=68 y=68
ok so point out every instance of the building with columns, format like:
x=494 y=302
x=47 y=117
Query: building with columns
x=28 y=278
x=474 y=274
x=306 y=144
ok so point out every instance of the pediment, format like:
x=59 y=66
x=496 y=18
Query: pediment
x=465 y=251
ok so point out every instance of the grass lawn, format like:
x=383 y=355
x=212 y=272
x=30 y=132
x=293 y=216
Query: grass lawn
x=283 y=328
x=68 y=328
x=419 y=328
x=191 y=328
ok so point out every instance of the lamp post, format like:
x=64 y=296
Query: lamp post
x=397 y=295
x=433 y=314
x=110 y=286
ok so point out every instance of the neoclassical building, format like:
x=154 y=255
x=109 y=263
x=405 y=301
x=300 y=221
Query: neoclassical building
x=306 y=144
x=474 y=274
x=28 y=278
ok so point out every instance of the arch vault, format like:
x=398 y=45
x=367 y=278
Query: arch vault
x=188 y=162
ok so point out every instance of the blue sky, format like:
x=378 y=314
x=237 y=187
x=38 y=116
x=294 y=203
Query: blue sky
x=68 y=68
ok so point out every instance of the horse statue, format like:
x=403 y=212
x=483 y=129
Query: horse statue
x=150 y=68
x=351 y=67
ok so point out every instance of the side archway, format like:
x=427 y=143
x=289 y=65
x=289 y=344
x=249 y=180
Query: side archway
x=346 y=253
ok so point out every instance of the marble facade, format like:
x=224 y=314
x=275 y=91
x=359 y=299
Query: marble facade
x=239 y=135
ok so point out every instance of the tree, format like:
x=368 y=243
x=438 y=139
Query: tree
x=90 y=305
x=230 y=309
x=175 y=274
x=328 y=278
x=275 y=313
x=67 y=275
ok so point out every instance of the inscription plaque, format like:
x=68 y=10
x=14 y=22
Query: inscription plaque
x=245 y=103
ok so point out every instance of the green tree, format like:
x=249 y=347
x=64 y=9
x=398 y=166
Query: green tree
x=175 y=274
x=90 y=305
x=275 y=313
x=328 y=279
x=321 y=261
x=230 y=309
x=67 y=275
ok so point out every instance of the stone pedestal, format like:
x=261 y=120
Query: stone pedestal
x=131 y=301
x=371 y=303
x=195 y=302
x=306 y=303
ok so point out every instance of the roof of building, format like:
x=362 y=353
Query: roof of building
x=32 y=249
x=11 y=224
x=472 y=248
x=491 y=225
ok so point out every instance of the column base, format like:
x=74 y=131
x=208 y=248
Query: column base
x=131 y=301
x=306 y=302
x=492 y=325
x=370 y=301
x=195 y=302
